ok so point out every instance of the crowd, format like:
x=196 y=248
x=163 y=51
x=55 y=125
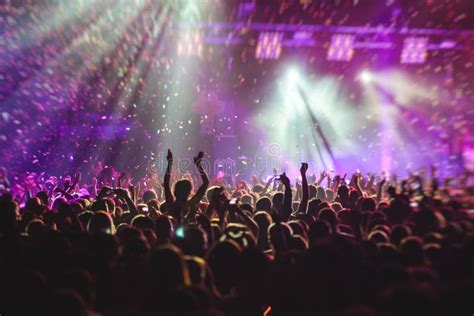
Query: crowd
x=366 y=245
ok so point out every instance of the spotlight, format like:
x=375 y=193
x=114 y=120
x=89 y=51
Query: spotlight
x=447 y=44
x=366 y=77
x=293 y=74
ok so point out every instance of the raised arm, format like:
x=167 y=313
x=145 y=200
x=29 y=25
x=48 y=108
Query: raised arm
x=304 y=187
x=77 y=179
x=356 y=181
x=329 y=182
x=205 y=180
x=336 y=183
x=94 y=187
x=125 y=195
x=267 y=185
x=370 y=185
x=324 y=174
x=66 y=194
x=287 y=200
x=119 y=180
x=166 y=183
x=380 y=189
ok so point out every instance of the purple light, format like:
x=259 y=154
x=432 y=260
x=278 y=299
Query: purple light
x=341 y=48
x=414 y=50
x=302 y=35
x=447 y=44
x=246 y=9
x=269 y=45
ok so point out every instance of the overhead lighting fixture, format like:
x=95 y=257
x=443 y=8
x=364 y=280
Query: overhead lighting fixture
x=415 y=50
x=447 y=44
x=341 y=47
x=302 y=35
x=269 y=45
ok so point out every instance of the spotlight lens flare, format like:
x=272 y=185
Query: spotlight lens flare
x=366 y=76
x=293 y=74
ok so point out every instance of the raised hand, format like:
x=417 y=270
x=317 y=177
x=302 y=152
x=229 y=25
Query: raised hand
x=122 y=193
x=275 y=171
x=198 y=163
x=67 y=183
x=357 y=178
x=133 y=190
x=104 y=191
x=285 y=211
x=323 y=175
x=198 y=159
x=128 y=197
x=303 y=189
x=169 y=156
x=284 y=179
x=379 y=189
x=304 y=167
x=270 y=180
x=356 y=182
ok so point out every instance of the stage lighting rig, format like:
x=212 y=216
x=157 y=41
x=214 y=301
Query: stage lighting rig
x=269 y=45
x=415 y=50
x=341 y=47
